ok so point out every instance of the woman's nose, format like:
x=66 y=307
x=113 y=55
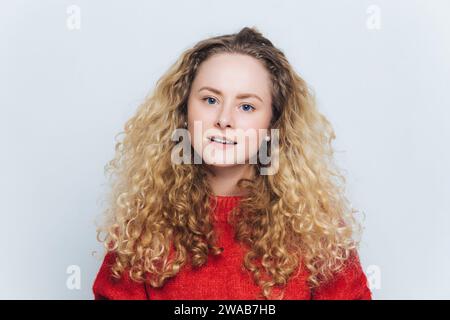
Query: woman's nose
x=223 y=123
x=225 y=118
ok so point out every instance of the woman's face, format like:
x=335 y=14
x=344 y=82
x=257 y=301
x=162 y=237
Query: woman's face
x=230 y=97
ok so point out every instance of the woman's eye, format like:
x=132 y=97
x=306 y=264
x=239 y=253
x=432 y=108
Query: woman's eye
x=247 y=107
x=209 y=99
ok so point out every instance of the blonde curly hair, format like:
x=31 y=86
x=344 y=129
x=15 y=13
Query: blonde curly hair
x=299 y=215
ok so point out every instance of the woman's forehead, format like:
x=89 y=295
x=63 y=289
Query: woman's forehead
x=234 y=74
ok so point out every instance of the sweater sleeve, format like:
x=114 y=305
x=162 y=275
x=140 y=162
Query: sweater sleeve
x=349 y=284
x=106 y=287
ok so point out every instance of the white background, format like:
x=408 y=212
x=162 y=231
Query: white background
x=65 y=93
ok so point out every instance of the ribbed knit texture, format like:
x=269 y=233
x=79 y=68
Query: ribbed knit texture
x=224 y=278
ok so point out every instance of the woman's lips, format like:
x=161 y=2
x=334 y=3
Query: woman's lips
x=221 y=138
x=221 y=145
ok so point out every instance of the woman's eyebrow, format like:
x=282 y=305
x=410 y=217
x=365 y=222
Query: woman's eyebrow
x=239 y=96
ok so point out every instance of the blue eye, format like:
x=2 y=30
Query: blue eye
x=246 y=109
x=208 y=99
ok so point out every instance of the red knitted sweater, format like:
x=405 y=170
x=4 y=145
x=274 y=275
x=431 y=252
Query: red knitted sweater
x=223 y=278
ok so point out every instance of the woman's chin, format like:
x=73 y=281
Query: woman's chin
x=221 y=162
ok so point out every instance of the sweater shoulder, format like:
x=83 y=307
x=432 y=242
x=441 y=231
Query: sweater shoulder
x=108 y=287
x=349 y=284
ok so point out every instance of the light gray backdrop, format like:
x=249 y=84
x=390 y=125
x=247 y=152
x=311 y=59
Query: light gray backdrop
x=72 y=73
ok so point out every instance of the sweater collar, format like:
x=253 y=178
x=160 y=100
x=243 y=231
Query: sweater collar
x=224 y=204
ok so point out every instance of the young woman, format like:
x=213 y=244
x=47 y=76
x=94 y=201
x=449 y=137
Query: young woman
x=232 y=225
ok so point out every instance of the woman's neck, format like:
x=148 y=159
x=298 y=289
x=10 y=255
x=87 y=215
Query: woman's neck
x=224 y=179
